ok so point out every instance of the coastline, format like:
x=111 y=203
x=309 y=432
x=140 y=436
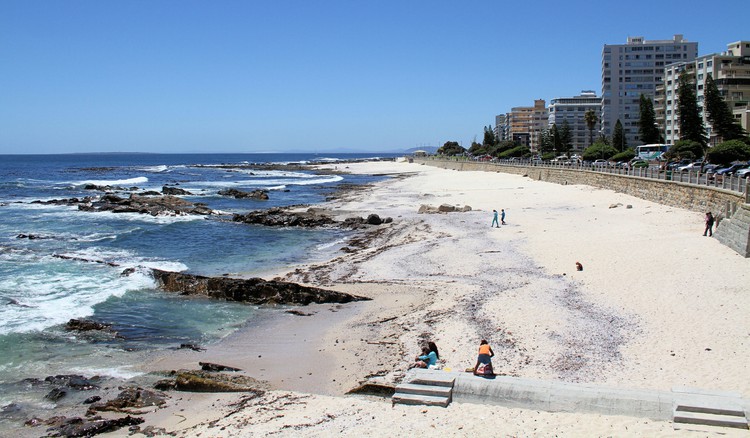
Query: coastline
x=631 y=318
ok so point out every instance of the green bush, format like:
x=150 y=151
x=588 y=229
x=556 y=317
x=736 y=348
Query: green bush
x=518 y=151
x=684 y=149
x=597 y=151
x=625 y=155
x=729 y=151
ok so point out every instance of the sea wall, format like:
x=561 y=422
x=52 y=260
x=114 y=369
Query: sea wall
x=724 y=203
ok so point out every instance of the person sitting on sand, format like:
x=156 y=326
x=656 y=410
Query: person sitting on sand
x=428 y=359
x=484 y=362
x=432 y=347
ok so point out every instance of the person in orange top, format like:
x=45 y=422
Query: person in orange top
x=484 y=362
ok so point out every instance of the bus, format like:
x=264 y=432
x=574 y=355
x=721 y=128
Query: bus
x=650 y=151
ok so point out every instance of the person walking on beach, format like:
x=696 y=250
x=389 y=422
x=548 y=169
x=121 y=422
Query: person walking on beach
x=502 y=216
x=709 y=224
x=494 y=219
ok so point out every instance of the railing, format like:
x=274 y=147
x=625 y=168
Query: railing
x=726 y=182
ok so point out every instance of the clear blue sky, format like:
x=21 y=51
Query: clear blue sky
x=288 y=76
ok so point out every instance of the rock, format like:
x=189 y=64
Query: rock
x=127 y=272
x=374 y=219
x=77 y=427
x=192 y=347
x=615 y=205
x=299 y=313
x=73 y=381
x=239 y=194
x=166 y=385
x=56 y=394
x=251 y=290
x=153 y=205
x=199 y=381
x=466 y=208
x=208 y=366
x=130 y=398
x=92 y=399
x=84 y=325
x=629 y=206
x=174 y=191
x=280 y=217
x=446 y=208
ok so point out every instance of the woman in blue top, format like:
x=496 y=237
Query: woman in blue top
x=428 y=359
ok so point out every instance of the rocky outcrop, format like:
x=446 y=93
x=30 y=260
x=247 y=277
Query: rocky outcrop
x=65 y=201
x=169 y=190
x=444 y=208
x=159 y=205
x=239 y=194
x=278 y=217
x=251 y=290
x=80 y=427
x=108 y=188
x=129 y=399
x=201 y=381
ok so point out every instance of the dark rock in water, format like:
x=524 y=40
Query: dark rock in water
x=251 y=290
x=77 y=427
x=208 y=366
x=130 y=398
x=150 y=193
x=239 y=194
x=107 y=188
x=153 y=205
x=73 y=381
x=374 y=219
x=56 y=394
x=193 y=347
x=281 y=218
x=85 y=325
x=92 y=399
x=199 y=381
x=174 y=191
x=127 y=272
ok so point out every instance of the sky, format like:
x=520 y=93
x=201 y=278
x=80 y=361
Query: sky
x=182 y=76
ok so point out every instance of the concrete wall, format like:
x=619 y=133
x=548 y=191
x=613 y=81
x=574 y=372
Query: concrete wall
x=734 y=231
x=675 y=194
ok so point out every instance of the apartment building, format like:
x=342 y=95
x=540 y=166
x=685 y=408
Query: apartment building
x=526 y=123
x=573 y=110
x=500 y=127
x=731 y=73
x=632 y=69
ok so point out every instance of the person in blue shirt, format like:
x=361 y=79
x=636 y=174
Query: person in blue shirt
x=502 y=216
x=494 y=219
x=428 y=359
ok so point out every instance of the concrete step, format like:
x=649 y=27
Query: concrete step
x=433 y=379
x=411 y=388
x=710 y=419
x=418 y=399
x=731 y=410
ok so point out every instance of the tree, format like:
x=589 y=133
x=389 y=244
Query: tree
x=729 y=151
x=691 y=123
x=566 y=138
x=451 y=148
x=684 y=149
x=546 y=142
x=718 y=113
x=625 y=155
x=518 y=151
x=477 y=149
x=618 y=137
x=591 y=120
x=489 y=137
x=647 y=129
x=597 y=151
x=556 y=139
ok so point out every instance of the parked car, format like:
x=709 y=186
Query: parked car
x=695 y=166
x=743 y=173
x=638 y=163
x=675 y=164
x=600 y=163
x=730 y=169
x=710 y=168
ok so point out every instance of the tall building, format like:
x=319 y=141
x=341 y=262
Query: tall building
x=527 y=123
x=500 y=129
x=572 y=110
x=731 y=73
x=632 y=69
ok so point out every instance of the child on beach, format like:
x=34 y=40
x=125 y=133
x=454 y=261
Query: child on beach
x=502 y=216
x=494 y=219
x=428 y=359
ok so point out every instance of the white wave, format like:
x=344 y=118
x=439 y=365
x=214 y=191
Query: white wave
x=329 y=245
x=265 y=183
x=45 y=301
x=115 y=182
x=154 y=169
x=123 y=372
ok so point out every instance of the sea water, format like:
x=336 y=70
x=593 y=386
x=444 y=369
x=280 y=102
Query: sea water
x=40 y=291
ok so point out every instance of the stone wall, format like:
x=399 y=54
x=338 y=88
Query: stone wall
x=723 y=203
x=734 y=231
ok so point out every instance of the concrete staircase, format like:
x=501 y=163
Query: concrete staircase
x=425 y=387
x=723 y=409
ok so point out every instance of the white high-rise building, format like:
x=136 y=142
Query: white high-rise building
x=632 y=69
x=573 y=110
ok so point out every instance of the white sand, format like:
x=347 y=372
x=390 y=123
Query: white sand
x=657 y=306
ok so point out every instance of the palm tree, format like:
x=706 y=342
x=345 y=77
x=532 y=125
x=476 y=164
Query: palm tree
x=591 y=119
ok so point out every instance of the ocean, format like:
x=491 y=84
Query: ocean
x=40 y=292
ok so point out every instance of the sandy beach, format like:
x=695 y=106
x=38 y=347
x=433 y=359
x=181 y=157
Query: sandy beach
x=656 y=306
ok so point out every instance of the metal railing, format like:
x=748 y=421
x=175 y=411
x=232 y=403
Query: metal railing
x=726 y=182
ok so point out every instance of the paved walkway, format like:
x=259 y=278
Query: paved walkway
x=555 y=396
